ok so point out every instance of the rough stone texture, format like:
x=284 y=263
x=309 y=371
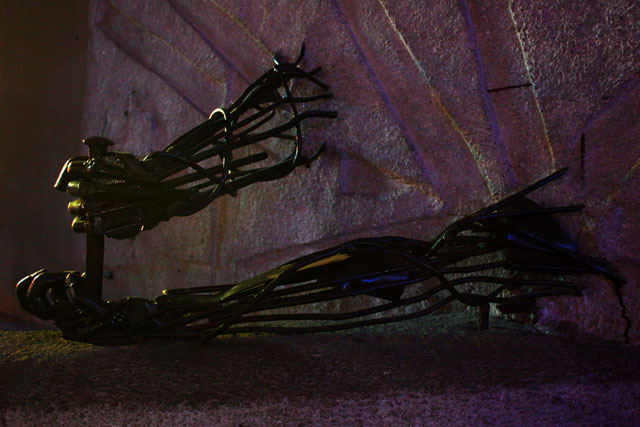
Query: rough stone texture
x=433 y=371
x=508 y=84
x=443 y=107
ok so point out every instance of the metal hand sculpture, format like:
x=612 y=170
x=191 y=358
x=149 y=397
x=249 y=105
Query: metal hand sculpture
x=514 y=247
x=120 y=194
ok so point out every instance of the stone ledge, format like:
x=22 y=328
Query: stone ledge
x=438 y=369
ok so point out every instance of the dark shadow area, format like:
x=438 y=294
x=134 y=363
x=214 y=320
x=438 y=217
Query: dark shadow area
x=42 y=74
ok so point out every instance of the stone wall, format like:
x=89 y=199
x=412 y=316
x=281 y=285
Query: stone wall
x=444 y=106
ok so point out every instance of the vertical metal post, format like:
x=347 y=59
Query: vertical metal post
x=95 y=241
x=483 y=316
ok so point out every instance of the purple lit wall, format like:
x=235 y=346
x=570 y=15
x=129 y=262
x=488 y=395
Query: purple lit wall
x=443 y=107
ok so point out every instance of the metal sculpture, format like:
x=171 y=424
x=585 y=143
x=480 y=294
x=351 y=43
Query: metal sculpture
x=513 y=247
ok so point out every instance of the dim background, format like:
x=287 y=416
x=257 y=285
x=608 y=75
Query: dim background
x=43 y=51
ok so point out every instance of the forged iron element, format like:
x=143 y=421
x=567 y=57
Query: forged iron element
x=120 y=194
x=509 y=253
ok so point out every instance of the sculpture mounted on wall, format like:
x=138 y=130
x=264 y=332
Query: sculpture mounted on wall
x=513 y=247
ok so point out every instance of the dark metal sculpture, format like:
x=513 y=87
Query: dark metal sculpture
x=513 y=248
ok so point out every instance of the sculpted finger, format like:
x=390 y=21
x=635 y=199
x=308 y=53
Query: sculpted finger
x=67 y=173
x=83 y=296
x=22 y=289
x=40 y=293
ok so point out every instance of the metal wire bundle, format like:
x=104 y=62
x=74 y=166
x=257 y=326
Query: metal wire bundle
x=494 y=246
x=510 y=253
x=121 y=194
x=519 y=234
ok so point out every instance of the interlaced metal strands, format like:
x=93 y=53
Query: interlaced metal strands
x=121 y=194
x=513 y=248
x=516 y=230
x=520 y=235
x=240 y=125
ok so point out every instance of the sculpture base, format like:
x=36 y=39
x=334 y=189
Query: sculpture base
x=438 y=369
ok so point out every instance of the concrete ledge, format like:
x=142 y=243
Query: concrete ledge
x=437 y=370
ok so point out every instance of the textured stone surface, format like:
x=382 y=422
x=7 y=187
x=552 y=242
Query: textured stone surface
x=434 y=371
x=508 y=84
x=443 y=107
x=577 y=55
